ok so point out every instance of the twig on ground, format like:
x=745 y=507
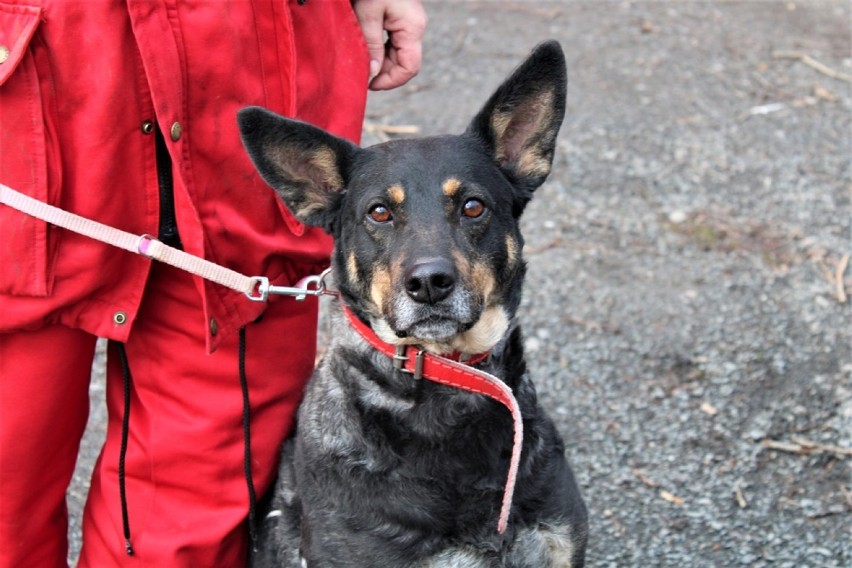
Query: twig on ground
x=375 y=127
x=738 y=493
x=546 y=246
x=816 y=446
x=811 y=62
x=461 y=39
x=547 y=12
x=671 y=498
x=805 y=447
x=784 y=447
x=827 y=513
x=838 y=278
x=640 y=475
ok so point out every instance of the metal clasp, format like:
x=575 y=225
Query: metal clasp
x=399 y=359
x=313 y=285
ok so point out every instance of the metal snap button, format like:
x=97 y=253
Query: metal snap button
x=147 y=127
x=119 y=318
x=176 y=131
x=4 y=53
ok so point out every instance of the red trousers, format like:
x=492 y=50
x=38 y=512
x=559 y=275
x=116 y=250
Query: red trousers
x=186 y=492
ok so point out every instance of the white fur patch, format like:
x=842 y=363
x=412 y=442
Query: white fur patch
x=560 y=545
x=491 y=327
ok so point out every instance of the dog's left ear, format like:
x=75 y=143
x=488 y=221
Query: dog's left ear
x=306 y=166
x=519 y=123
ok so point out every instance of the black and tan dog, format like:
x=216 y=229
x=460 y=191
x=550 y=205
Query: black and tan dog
x=387 y=470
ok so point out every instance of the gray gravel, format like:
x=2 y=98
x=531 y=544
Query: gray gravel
x=682 y=309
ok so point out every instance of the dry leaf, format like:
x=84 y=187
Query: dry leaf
x=671 y=498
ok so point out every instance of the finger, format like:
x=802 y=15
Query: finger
x=371 y=16
x=401 y=63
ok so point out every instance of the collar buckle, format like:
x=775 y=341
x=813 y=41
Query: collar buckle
x=400 y=357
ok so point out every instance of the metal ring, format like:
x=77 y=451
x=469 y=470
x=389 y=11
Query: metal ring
x=260 y=285
x=145 y=238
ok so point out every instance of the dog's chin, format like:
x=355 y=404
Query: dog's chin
x=434 y=331
x=444 y=336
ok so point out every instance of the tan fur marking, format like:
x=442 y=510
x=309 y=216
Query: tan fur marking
x=531 y=163
x=451 y=187
x=396 y=193
x=482 y=280
x=512 y=250
x=325 y=160
x=499 y=122
x=320 y=168
x=381 y=292
x=462 y=264
x=309 y=209
x=529 y=117
x=352 y=268
x=380 y=287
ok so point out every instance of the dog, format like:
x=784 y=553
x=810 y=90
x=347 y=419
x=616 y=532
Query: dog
x=387 y=469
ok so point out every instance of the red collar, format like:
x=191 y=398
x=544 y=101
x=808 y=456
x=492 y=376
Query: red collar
x=446 y=371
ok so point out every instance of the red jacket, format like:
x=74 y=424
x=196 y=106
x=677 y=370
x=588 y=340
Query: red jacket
x=80 y=83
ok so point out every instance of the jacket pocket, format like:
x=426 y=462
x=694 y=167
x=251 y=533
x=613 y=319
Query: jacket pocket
x=24 y=253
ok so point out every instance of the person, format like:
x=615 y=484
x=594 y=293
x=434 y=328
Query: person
x=125 y=113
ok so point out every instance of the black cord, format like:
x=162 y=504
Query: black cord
x=125 y=430
x=247 y=441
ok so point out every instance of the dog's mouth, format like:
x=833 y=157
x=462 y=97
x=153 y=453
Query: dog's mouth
x=443 y=333
x=434 y=329
x=440 y=322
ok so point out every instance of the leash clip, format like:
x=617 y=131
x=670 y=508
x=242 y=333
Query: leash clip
x=399 y=359
x=313 y=285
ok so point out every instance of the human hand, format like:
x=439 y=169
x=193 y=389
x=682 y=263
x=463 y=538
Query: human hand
x=395 y=61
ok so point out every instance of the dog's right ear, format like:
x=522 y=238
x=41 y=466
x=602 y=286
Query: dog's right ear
x=305 y=165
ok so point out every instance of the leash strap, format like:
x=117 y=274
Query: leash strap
x=256 y=288
x=459 y=375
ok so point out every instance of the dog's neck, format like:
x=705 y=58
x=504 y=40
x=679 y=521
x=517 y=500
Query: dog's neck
x=421 y=364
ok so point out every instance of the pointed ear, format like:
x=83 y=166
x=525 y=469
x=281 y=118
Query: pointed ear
x=519 y=123
x=306 y=166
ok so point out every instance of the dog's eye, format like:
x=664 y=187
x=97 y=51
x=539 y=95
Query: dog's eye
x=380 y=214
x=473 y=208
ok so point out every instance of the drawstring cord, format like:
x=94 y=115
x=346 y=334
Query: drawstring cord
x=247 y=441
x=125 y=429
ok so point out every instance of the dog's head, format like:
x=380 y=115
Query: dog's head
x=427 y=244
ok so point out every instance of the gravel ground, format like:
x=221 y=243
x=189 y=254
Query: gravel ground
x=685 y=306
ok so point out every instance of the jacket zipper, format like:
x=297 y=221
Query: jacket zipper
x=168 y=229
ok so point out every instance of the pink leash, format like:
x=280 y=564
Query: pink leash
x=256 y=288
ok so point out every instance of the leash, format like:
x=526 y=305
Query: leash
x=411 y=358
x=255 y=288
x=421 y=364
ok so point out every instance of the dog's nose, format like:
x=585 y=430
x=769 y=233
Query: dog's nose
x=430 y=281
